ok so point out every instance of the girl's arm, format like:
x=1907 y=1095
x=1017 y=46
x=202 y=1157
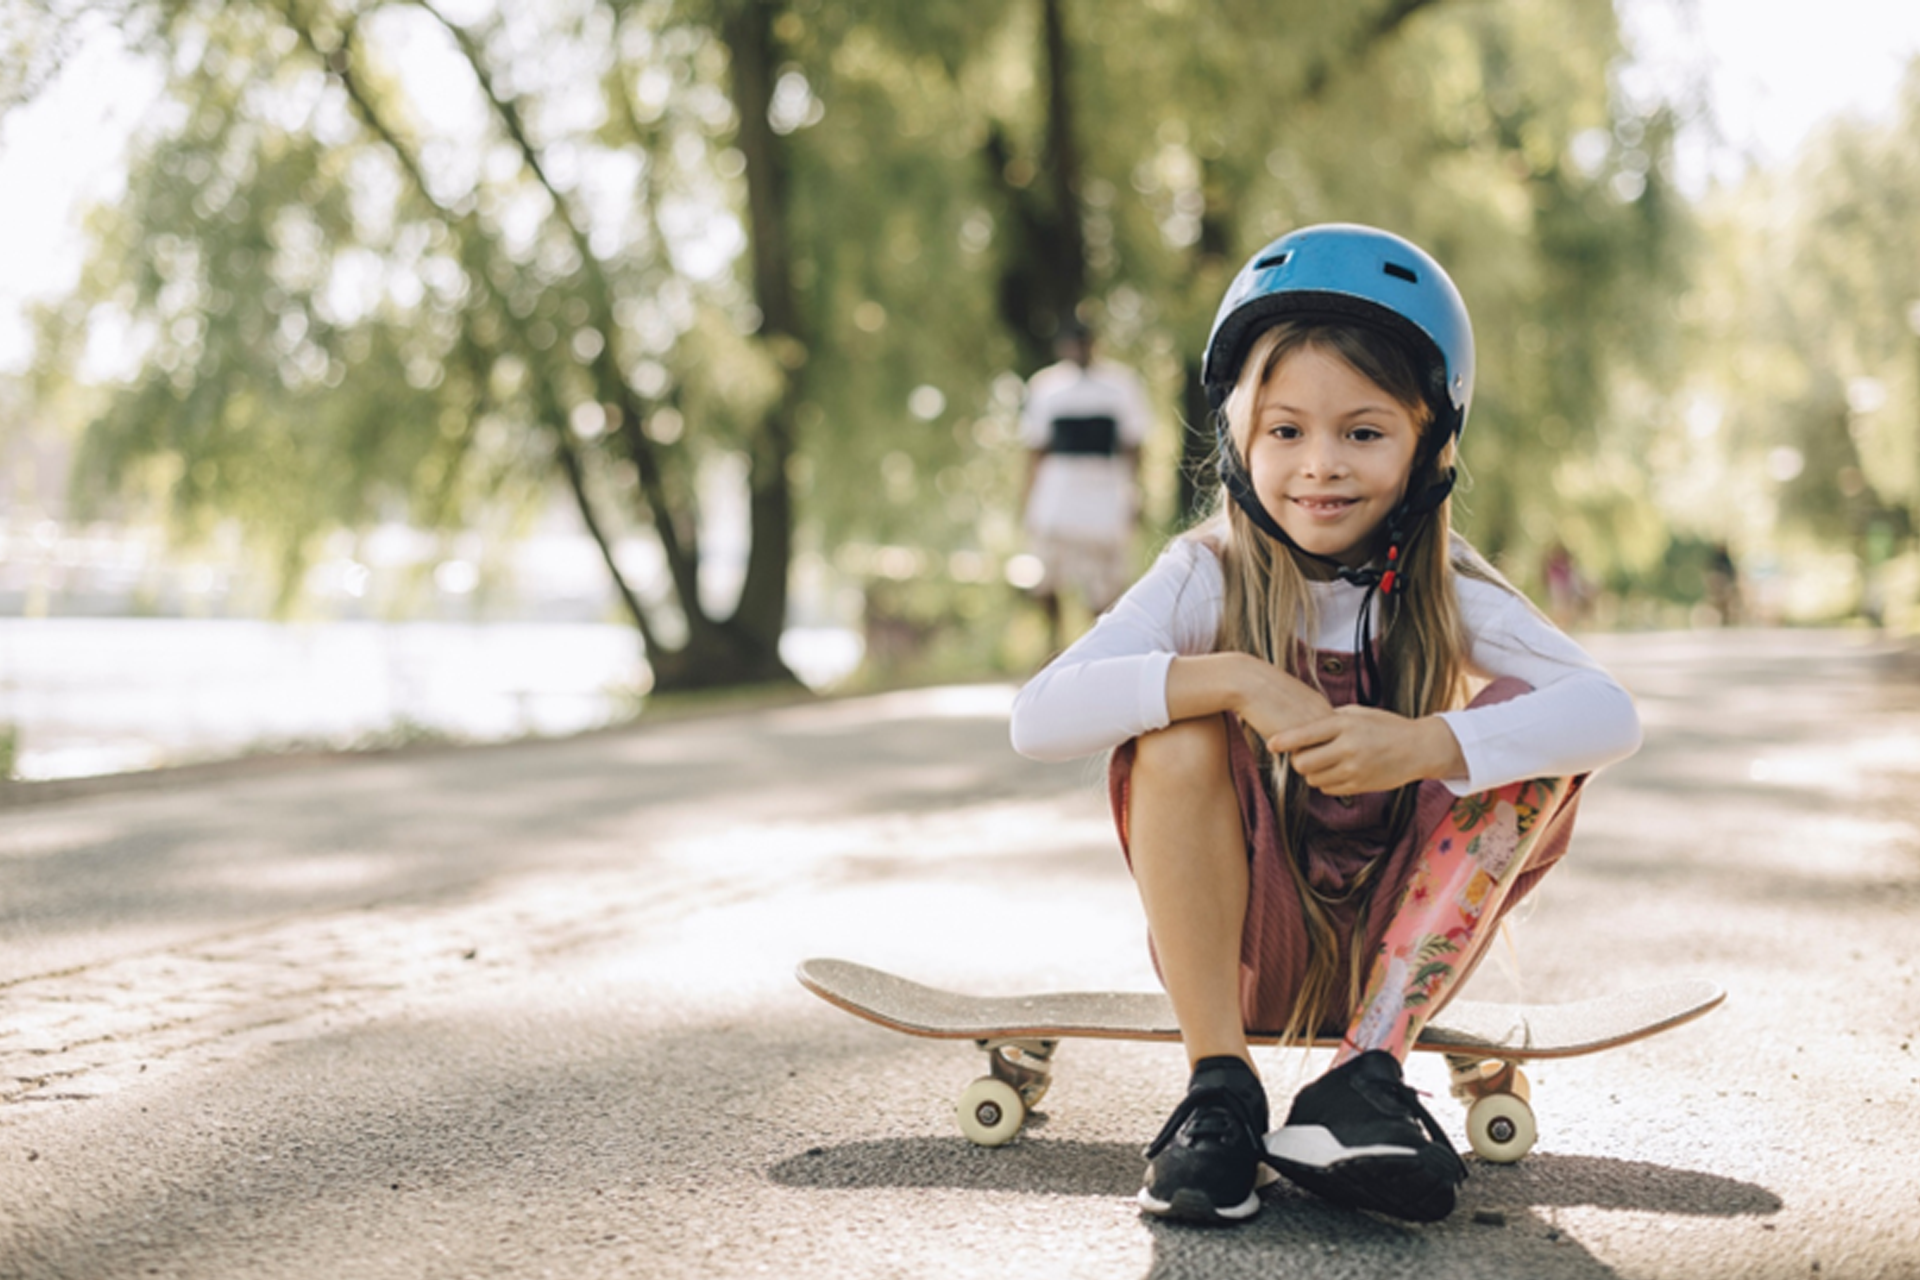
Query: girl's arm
x=1110 y=685
x=1577 y=718
x=1146 y=663
x=1149 y=662
x=1261 y=694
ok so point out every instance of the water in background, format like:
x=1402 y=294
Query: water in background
x=104 y=695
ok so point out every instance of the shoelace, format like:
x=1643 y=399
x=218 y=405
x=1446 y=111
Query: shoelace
x=1210 y=1126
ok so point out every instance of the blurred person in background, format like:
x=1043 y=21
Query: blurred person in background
x=1083 y=424
x=1568 y=591
x=1723 y=586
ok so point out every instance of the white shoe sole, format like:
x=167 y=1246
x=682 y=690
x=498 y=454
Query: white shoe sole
x=1317 y=1148
x=1196 y=1208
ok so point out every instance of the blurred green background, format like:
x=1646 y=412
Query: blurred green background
x=710 y=317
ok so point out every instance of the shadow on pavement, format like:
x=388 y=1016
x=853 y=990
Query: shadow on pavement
x=1550 y=1181
x=1113 y=1169
x=1495 y=1231
x=1051 y=1168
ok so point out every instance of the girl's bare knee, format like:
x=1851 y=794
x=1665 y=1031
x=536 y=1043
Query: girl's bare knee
x=1187 y=753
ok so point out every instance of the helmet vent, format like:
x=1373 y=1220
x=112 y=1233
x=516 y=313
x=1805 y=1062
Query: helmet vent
x=1277 y=260
x=1399 y=272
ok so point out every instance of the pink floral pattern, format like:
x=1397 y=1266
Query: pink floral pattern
x=1467 y=868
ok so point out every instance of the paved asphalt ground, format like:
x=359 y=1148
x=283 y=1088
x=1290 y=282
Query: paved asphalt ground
x=529 y=1011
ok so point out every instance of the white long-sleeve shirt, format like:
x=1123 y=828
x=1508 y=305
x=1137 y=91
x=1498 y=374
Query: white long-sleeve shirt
x=1111 y=685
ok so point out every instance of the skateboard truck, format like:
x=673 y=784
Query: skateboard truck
x=1019 y=1072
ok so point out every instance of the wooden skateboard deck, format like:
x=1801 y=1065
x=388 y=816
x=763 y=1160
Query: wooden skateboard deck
x=1484 y=1042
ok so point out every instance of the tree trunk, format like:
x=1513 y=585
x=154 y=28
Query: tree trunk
x=745 y=648
x=761 y=614
x=1068 y=248
x=1043 y=269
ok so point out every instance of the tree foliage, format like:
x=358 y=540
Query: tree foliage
x=417 y=259
x=1800 y=430
x=358 y=300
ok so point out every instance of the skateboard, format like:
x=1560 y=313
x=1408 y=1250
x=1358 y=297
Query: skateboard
x=1485 y=1044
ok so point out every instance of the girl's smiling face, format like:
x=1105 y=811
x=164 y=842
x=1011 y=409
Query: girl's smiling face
x=1330 y=453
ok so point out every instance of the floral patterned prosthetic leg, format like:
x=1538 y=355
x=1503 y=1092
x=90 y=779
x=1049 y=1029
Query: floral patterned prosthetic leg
x=1461 y=878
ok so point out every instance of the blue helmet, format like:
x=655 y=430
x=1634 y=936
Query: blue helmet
x=1342 y=271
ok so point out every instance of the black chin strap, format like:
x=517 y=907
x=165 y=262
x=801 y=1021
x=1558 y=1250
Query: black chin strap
x=1402 y=523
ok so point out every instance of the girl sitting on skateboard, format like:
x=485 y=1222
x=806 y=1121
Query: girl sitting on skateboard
x=1342 y=744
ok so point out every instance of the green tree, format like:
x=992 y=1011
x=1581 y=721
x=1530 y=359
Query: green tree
x=355 y=307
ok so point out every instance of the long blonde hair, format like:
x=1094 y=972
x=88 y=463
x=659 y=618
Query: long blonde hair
x=1268 y=607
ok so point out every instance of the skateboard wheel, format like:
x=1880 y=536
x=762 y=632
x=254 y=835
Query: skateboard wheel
x=990 y=1112
x=1500 y=1127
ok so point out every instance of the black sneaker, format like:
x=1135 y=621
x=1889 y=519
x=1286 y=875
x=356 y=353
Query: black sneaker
x=1359 y=1137
x=1206 y=1163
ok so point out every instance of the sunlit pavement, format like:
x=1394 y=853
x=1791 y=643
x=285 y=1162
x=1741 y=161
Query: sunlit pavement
x=529 y=1010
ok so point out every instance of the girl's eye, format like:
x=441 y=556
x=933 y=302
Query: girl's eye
x=1368 y=434
x=1283 y=430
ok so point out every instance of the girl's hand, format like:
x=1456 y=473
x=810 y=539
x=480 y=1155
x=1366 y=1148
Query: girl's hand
x=1356 y=749
x=1265 y=698
x=1275 y=703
